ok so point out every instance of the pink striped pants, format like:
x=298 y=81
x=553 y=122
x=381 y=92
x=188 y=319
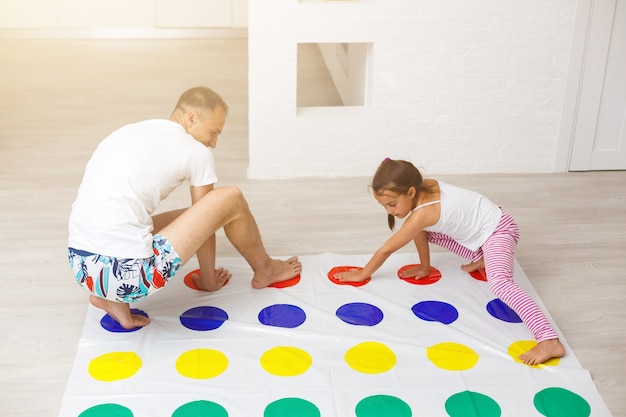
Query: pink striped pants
x=499 y=253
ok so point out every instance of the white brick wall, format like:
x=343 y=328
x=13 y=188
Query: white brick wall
x=456 y=86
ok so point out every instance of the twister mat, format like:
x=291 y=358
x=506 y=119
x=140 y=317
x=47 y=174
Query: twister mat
x=388 y=348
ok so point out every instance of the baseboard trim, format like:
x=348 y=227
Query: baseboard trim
x=123 y=33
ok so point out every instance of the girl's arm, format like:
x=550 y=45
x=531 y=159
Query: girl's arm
x=411 y=227
x=421 y=244
x=423 y=250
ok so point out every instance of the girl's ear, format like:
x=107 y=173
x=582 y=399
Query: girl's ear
x=412 y=192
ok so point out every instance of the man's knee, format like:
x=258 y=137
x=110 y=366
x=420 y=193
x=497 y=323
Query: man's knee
x=233 y=197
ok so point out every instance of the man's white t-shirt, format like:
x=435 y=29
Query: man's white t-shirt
x=129 y=174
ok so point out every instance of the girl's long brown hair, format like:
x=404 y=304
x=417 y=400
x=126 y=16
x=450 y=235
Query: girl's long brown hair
x=397 y=176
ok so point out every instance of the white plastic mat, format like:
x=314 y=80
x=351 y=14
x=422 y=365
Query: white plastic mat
x=388 y=348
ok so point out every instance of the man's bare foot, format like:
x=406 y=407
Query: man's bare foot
x=120 y=312
x=277 y=271
x=221 y=278
x=474 y=266
x=544 y=351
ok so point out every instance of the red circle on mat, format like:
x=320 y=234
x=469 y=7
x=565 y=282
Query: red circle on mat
x=433 y=277
x=337 y=269
x=286 y=283
x=479 y=275
x=191 y=283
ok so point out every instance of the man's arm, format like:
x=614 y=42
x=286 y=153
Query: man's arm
x=209 y=279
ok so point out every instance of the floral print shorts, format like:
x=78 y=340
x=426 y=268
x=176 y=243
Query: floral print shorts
x=125 y=280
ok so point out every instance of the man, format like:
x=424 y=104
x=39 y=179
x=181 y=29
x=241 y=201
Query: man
x=120 y=252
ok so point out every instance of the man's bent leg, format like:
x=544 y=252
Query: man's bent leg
x=226 y=207
x=244 y=234
x=189 y=231
x=159 y=221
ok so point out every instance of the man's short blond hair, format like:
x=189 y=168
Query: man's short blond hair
x=200 y=98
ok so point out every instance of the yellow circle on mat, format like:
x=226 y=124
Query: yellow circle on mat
x=201 y=363
x=114 y=366
x=370 y=358
x=452 y=356
x=286 y=361
x=522 y=346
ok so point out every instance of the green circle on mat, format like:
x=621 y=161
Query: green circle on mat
x=559 y=402
x=200 y=408
x=288 y=407
x=107 y=410
x=382 y=406
x=472 y=404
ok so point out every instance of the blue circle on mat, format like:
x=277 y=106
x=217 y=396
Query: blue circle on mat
x=108 y=323
x=436 y=311
x=282 y=315
x=203 y=318
x=501 y=311
x=360 y=314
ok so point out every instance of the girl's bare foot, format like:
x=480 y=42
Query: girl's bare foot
x=474 y=266
x=277 y=271
x=545 y=350
x=120 y=312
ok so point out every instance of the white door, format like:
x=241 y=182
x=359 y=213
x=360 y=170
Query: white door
x=599 y=131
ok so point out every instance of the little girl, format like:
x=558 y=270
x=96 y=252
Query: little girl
x=465 y=223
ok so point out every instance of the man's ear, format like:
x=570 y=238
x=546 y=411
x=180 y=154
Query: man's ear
x=191 y=118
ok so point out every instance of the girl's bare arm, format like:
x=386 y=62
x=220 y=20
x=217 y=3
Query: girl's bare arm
x=409 y=230
x=421 y=244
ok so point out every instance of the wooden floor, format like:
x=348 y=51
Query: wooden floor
x=59 y=98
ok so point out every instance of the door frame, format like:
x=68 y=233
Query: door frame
x=590 y=47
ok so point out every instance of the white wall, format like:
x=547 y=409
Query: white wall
x=455 y=86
